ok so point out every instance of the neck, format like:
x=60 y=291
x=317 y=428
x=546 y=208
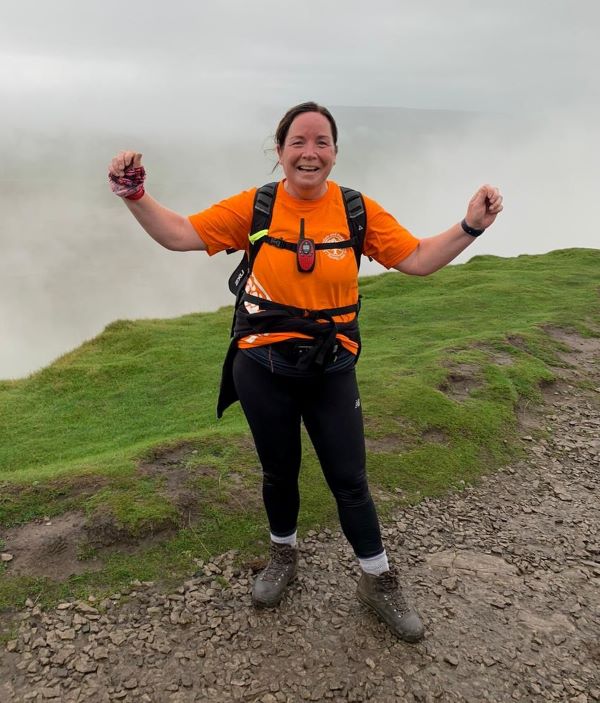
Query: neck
x=308 y=194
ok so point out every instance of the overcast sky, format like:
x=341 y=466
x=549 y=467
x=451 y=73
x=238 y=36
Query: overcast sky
x=199 y=88
x=458 y=54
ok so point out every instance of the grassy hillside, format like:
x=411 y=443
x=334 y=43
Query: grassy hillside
x=123 y=429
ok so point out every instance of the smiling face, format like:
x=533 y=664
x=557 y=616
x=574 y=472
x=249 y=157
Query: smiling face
x=307 y=156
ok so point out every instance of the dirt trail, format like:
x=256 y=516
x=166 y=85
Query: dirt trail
x=506 y=575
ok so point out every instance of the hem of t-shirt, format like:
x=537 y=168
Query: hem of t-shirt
x=265 y=339
x=404 y=256
x=210 y=250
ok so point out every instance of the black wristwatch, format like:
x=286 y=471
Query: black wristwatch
x=471 y=230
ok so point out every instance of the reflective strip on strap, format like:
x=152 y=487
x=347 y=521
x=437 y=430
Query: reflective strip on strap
x=257 y=235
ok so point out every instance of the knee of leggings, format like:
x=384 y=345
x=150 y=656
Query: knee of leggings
x=272 y=480
x=353 y=496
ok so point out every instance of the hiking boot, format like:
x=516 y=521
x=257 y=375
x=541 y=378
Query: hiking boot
x=272 y=581
x=384 y=595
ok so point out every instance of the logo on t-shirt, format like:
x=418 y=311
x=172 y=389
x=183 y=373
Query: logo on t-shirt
x=334 y=253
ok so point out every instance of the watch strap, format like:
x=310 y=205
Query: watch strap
x=471 y=230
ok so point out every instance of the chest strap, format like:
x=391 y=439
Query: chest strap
x=293 y=246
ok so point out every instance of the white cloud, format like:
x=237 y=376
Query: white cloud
x=464 y=54
x=39 y=74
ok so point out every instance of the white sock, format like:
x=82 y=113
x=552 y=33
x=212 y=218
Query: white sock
x=290 y=539
x=375 y=565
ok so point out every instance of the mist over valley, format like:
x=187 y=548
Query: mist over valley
x=74 y=259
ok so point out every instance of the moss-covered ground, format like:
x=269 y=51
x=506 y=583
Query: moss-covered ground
x=445 y=362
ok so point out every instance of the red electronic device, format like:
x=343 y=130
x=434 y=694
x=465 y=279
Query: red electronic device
x=305 y=252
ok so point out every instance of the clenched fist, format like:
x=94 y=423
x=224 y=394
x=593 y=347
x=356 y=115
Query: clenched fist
x=483 y=207
x=126 y=175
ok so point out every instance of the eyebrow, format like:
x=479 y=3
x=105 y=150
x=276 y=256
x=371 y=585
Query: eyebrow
x=319 y=136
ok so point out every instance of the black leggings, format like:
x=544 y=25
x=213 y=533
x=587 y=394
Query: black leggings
x=330 y=407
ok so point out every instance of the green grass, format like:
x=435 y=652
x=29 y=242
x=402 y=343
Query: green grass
x=74 y=433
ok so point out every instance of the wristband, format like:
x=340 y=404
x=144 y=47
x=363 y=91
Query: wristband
x=136 y=196
x=130 y=185
x=471 y=230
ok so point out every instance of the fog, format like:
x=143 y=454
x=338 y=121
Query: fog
x=420 y=130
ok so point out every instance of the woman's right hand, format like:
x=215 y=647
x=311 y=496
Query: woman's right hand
x=124 y=160
x=126 y=175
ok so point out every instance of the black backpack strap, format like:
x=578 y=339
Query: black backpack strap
x=357 y=219
x=262 y=215
x=262 y=212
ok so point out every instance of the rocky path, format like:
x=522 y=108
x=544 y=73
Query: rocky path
x=506 y=575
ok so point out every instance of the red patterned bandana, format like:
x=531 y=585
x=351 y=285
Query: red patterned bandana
x=130 y=184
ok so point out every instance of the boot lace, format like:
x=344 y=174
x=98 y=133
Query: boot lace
x=388 y=586
x=281 y=557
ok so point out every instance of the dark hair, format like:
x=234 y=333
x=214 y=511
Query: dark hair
x=284 y=126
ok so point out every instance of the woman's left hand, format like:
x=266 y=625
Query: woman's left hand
x=484 y=207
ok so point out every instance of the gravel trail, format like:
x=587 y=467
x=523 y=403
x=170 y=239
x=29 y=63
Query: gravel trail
x=506 y=575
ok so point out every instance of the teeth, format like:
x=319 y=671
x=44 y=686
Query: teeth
x=308 y=168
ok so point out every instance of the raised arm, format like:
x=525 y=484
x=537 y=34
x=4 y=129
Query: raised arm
x=433 y=253
x=170 y=229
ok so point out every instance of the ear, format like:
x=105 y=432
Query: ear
x=278 y=150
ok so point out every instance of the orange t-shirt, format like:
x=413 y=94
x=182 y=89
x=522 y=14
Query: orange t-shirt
x=334 y=281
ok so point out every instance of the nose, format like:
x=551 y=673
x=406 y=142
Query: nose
x=309 y=151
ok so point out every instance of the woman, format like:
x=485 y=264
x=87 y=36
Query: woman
x=296 y=337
